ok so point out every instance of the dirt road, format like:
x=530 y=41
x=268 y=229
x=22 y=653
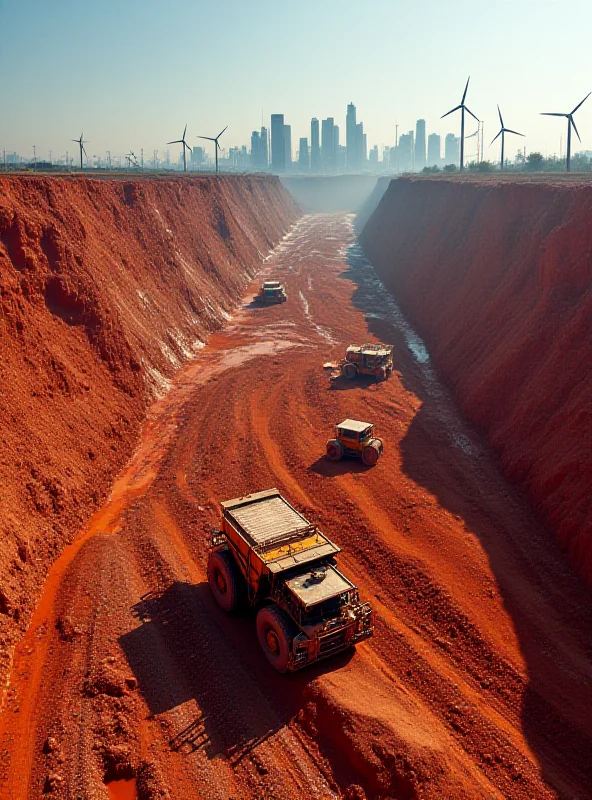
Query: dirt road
x=477 y=682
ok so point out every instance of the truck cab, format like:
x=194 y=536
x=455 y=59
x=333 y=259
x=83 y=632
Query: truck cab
x=269 y=557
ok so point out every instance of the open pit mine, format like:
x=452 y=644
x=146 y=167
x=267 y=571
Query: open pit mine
x=142 y=385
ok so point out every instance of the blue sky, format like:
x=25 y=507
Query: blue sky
x=131 y=73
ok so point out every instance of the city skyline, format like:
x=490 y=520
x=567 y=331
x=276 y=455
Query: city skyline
x=271 y=150
x=142 y=76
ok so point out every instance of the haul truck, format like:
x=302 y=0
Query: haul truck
x=270 y=557
x=368 y=359
x=272 y=292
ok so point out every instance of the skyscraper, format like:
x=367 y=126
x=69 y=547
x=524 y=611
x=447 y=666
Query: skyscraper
x=303 y=155
x=420 y=145
x=315 y=149
x=451 y=154
x=288 y=146
x=278 y=144
x=351 y=137
x=256 y=150
x=434 y=150
x=264 y=145
x=328 y=144
x=405 y=152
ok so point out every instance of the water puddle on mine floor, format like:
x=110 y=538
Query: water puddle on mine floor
x=122 y=790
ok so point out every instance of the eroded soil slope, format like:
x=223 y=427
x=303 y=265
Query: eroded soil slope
x=476 y=683
x=106 y=287
x=497 y=278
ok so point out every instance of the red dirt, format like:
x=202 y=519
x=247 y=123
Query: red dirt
x=496 y=276
x=106 y=287
x=476 y=684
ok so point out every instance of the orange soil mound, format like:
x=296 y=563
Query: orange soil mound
x=496 y=277
x=106 y=287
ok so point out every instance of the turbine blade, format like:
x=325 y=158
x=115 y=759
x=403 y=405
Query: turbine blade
x=86 y=154
x=185 y=131
x=500 y=116
x=552 y=114
x=209 y=138
x=507 y=130
x=471 y=113
x=496 y=137
x=574 y=126
x=451 y=112
x=465 y=91
x=221 y=132
x=583 y=101
x=176 y=141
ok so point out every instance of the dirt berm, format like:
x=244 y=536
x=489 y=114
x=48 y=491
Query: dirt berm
x=106 y=287
x=496 y=276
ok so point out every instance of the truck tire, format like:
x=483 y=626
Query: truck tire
x=349 y=371
x=372 y=452
x=334 y=450
x=226 y=582
x=276 y=631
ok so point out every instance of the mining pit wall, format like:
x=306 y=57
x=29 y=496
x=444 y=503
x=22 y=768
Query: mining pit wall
x=106 y=288
x=496 y=276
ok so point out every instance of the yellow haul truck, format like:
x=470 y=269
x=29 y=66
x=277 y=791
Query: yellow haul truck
x=268 y=556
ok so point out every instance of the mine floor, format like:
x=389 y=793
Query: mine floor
x=477 y=682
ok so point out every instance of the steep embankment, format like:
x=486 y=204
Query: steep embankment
x=497 y=278
x=371 y=203
x=106 y=286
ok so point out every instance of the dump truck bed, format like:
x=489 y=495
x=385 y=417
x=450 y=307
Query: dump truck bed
x=275 y=531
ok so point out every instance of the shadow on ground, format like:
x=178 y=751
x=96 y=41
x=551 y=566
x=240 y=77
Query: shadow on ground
x=187 y=649
x=330 y=469
x=549 y=605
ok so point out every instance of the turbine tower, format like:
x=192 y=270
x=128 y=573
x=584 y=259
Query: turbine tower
x=216 y=146
x=462 y=108
x=81 y=142
x=185 y=145
x=570 y=123
x=502 y=132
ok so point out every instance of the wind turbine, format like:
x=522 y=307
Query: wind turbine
x=81 y=142
x=570 y=122
x=185 y=145
x=463 y=108
x=502 y=132
x=217 y=144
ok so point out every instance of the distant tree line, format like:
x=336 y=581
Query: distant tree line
x=534 y=162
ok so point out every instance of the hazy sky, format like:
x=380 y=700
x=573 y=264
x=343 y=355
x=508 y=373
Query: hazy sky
x=131 y=73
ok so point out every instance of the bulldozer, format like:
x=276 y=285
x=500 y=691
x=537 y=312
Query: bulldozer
x=267 y=556
x=271 y=292
x=355 y=439
x=367 y=359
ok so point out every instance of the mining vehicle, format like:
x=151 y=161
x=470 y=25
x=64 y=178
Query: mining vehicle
x=272 y=292
x=368 y=359
x=355 y=439
x=269 y=557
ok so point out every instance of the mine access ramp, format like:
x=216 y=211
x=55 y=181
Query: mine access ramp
x=269 y=556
